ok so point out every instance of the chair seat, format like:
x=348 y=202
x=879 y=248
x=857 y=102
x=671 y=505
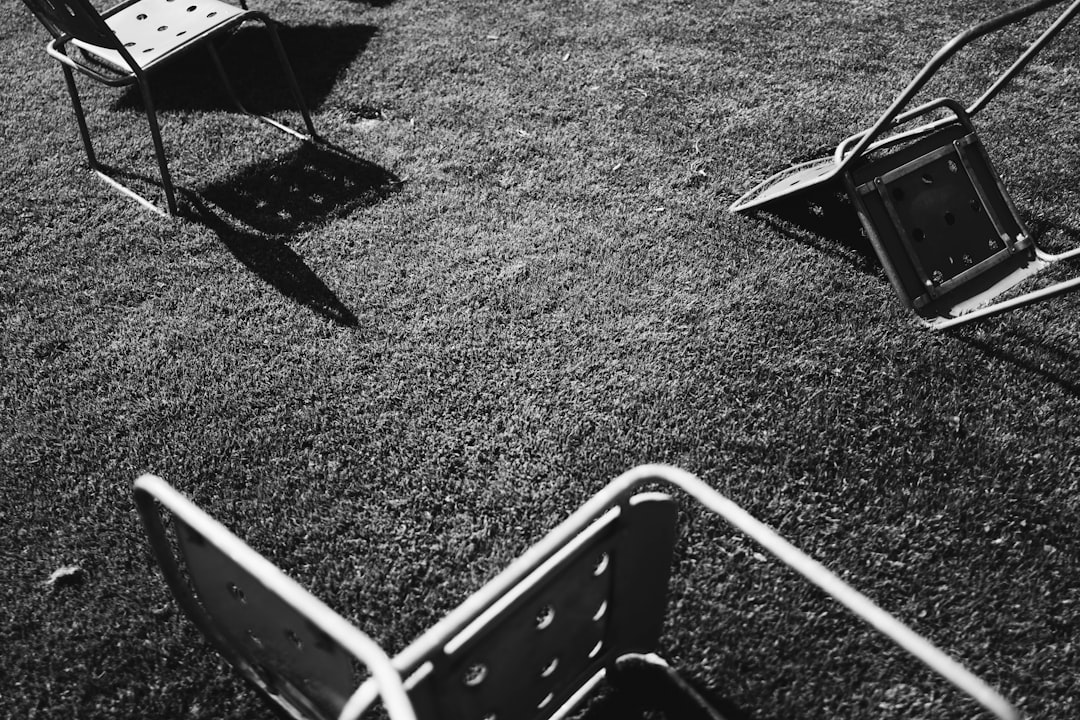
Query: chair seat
x=152 y=30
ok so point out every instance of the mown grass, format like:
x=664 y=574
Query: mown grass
x=392 y=364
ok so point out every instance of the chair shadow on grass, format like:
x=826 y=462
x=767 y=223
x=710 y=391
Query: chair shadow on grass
x=318 y=55
x=272 y=260
x=1027 y=346
x=314 y=183
x=823 y=219
x=1037 y=356
x=255 y=212
x=257 y=209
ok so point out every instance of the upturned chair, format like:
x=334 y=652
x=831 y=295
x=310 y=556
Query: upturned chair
x=933 y=206
x=585 y=602
x=125 y=44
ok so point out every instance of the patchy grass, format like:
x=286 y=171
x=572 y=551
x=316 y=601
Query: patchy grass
x=392 y=363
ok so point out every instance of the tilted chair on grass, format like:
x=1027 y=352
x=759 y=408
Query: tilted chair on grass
x=123 y=45
x=935 y=210
x=588 y=600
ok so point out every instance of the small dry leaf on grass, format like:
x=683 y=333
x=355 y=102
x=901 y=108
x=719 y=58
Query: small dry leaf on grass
x=163 y=612
x=66 y=576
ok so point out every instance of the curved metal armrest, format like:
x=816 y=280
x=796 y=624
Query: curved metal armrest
x=150 y=490
x=57 y=48
x=619 y=492
x=889 y=117
x=825 y=579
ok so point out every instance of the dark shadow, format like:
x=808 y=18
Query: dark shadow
x=256 y=210
x=318 y=55
x=280 y=197
x=824 y=219
x=1028 y=351
x=307 y=187
x=274 y=261
x=1052 y=234
x=275 y=199
x=641 y=688
x=1035 y=355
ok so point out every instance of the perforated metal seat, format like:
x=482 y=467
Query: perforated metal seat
x=587 y=601
x=151 y=31
x=930 y=201
x=124 y=44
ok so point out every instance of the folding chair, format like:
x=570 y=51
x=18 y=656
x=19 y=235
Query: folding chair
x=587 y=601
x=935 y=210
x=121 y=46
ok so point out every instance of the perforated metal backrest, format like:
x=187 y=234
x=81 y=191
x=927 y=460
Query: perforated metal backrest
x=590 y=592
x=305 y=657
x=525 y=646
x=76 y=18
x=544 y=642
x=286 y=653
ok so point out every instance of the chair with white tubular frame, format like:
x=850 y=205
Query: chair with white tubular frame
x=931 y=203
x=587 y=601
x=124 y=44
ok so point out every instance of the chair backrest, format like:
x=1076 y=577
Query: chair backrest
x=301 y=654
x=528 y=649
x=76 y=18
x=526 y=646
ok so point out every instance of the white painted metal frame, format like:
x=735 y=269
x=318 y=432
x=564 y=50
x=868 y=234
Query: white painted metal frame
x=814 y=173
x=806 y=176
x=386 y=679
x=124 y=44
x=150 y=489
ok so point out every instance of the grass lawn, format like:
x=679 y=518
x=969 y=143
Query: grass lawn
x=393 y=362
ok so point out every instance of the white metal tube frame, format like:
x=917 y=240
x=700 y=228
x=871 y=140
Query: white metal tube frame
x=865 y=141
x=134 y=74
x=892 y=115
x=618 y=492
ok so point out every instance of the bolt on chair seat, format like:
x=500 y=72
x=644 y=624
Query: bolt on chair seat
x=584 y=603
x=123 y=45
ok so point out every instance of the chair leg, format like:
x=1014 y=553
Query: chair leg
x=224 y=77
x=290 y=76
x=79 y=115
x=100 y=170
x=159 y=146
x=294 y=87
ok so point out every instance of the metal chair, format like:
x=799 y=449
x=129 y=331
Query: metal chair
x=587 y=601
x=934 y=208
x=123 y=45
